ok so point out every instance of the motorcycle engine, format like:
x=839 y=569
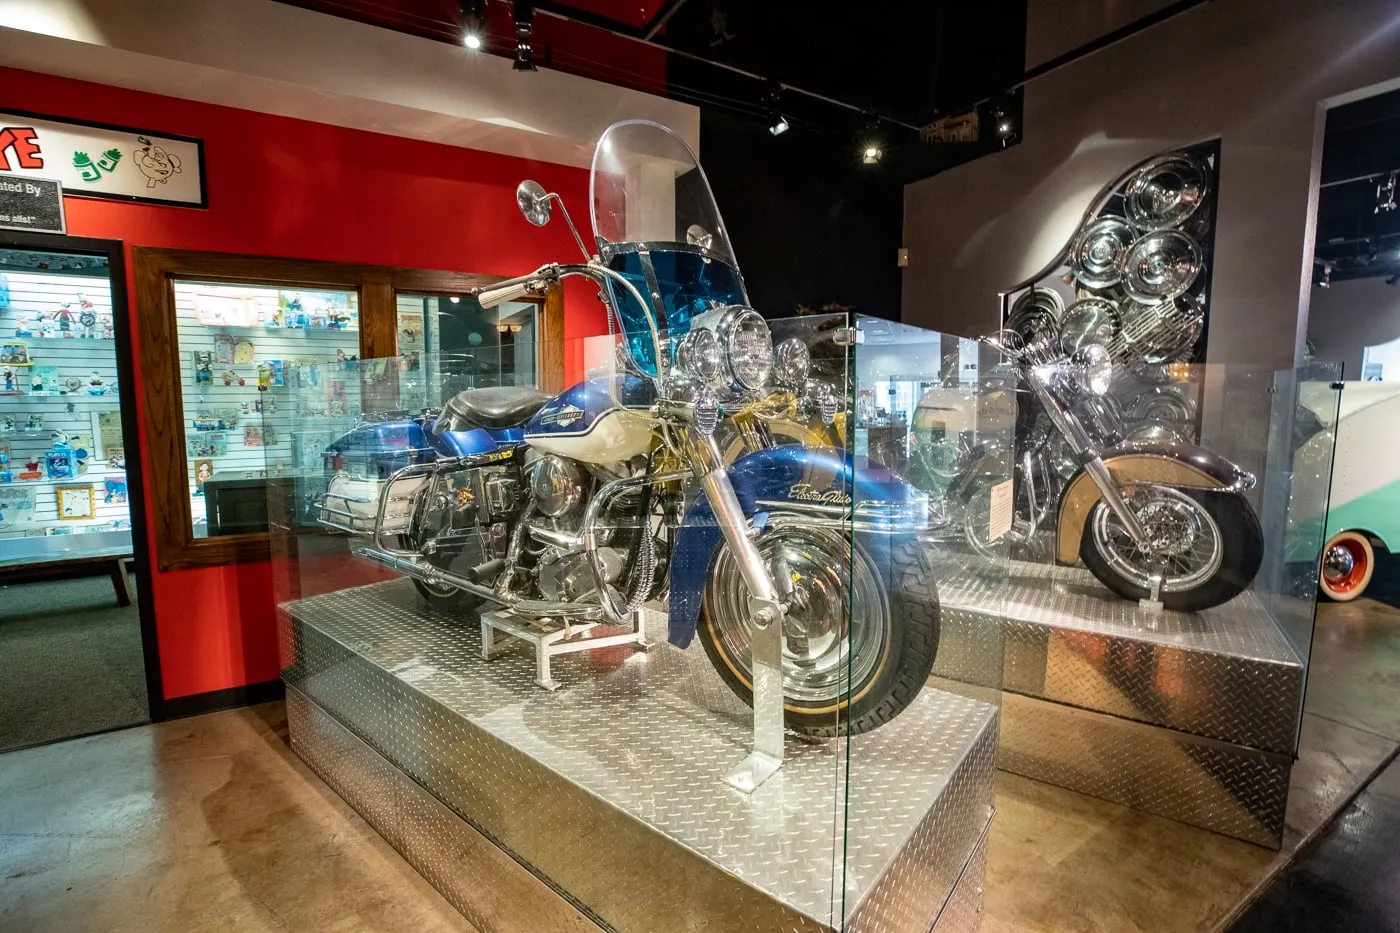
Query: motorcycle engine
x=564 y=576
x=557 y=485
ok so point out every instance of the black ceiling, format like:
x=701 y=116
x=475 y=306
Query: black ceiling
x=1356 y=236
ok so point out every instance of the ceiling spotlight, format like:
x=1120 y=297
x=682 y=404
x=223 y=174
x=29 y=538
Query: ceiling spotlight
x=780 y=126
x=524 y=29
x=472 y=19
x=1005 y=125
x=871 y=148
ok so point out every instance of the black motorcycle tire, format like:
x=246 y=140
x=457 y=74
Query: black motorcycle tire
x=447 y=598
x=910 y=647
x=1243 y=552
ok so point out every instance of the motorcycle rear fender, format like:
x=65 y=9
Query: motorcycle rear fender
x=1183 y=466
x=788 y=474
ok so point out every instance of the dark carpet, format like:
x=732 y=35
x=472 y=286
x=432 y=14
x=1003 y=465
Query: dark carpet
x=1348 y=879
x=70 y=661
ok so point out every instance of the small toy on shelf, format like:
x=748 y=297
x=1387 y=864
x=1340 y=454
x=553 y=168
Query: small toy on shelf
x=64 y=315
x=203 y=469
x=22 y=328
x=95 y=384
x=34 y=421
x=36 y=382
x=87 y=322
x=48 y=326
x=204 y=369
x=31 y=470
x=105 y=321
x=232 y=378
x=7 y=424
x=8 y=377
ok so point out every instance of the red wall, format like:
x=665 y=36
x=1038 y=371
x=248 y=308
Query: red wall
x=283 y=187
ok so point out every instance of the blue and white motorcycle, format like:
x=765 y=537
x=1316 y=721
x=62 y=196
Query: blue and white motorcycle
x=587 y=505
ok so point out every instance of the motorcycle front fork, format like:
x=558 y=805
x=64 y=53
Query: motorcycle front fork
x=1086 y=450
x=765 y=615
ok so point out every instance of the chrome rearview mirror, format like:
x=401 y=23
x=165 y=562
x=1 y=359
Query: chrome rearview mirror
x=534 y=202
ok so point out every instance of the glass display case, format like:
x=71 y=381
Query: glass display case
x=1166 y=671
x=527 y=617
x=62 y=452
x=236 y=343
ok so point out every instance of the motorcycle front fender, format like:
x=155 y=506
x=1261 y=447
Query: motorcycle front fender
x=1133 y=463
x=809 y=478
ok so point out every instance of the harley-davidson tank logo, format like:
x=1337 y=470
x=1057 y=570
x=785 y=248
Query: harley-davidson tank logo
x=805 y=492
x=563 y=417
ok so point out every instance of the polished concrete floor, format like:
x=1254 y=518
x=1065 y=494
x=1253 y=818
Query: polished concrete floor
x=1345 y=881
x=1061 y=861
x=203 y=824
x=213 y=824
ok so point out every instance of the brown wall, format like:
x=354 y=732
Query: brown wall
x=1256 y=73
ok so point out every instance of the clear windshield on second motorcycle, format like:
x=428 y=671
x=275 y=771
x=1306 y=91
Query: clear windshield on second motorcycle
x=655 y=221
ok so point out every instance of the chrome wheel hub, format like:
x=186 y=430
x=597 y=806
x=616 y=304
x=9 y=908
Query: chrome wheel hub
x=832 y=629
x=1183 y=542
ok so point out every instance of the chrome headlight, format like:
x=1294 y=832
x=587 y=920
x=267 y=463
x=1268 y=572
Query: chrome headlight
x=698 y=355
x=748 y=345
x=791 y=363
x=1093 y=368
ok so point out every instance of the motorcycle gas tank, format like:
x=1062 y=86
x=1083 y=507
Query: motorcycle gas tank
x=604 y=420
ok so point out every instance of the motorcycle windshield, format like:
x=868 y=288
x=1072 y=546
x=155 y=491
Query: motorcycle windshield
x=655 y=222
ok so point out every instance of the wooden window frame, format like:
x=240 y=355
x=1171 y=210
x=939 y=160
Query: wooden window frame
x=154 y=273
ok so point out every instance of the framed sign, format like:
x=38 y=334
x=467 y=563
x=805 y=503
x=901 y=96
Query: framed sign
x=75 y=503
x=100 y=160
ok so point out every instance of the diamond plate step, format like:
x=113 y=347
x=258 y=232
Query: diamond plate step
x=611 y=789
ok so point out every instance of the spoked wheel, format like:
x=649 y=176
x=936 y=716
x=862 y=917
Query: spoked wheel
x=1347 y=564
x=1206 y=545
x=859 y=635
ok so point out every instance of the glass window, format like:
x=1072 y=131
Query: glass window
x=456 y=344
x=63 y=490
x=237 y=342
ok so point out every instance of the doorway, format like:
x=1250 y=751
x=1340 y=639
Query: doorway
x=74 y=652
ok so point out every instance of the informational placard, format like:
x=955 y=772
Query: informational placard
x=103 y=161
x=32 y=203
x=1000 y=511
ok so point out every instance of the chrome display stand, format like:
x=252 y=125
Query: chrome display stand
x=393 y=705
x=551 y=638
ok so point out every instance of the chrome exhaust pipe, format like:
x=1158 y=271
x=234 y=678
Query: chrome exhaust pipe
x=434 y=576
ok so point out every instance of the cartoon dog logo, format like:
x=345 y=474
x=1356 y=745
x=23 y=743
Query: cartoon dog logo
x=154 y=162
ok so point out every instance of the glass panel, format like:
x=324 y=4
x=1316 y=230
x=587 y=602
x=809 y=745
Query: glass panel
x=931 y=442
x=236 y=343
x=499 y=346
x=391 y=549
x=63 y=489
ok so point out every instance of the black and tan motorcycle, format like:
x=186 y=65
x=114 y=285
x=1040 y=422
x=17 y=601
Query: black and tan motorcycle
x=1149 y=518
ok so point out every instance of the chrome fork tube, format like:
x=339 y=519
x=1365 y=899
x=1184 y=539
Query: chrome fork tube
x=709 y=468
x=1084 y=448
x=765 y=616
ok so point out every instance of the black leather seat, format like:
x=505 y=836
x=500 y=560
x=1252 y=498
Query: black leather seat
x=497 y=407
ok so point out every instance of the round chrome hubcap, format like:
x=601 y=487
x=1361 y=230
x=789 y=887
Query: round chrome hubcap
x=832 y=631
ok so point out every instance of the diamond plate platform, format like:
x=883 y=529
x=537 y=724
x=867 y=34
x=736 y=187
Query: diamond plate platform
x=1193 y=716
x=611 y=790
